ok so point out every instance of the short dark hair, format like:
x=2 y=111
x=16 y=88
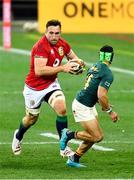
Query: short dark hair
x=106 y=48
x=53 y=22
x=106 y=54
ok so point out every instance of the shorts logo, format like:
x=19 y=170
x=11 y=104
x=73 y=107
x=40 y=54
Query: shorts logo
x=32 y=102
x=54 y=86
x=61 y=51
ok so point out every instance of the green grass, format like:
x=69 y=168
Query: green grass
x=43 y=161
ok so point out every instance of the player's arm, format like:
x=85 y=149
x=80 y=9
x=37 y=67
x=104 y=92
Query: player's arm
x=72 y=55
x=103 y=101
x=41 y=68
x=103 y=98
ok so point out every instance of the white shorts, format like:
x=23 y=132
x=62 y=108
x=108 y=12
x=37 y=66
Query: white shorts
x=33 y=99
x=82 y=112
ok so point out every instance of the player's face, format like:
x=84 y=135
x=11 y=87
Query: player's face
x=53 y=34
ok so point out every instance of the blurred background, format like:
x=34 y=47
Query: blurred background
x=87 y=25
x=100 y=16
x=22 y=10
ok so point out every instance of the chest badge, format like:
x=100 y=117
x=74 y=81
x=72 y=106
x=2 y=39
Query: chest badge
x=61 y=51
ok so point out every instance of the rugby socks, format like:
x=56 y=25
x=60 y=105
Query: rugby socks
x=71 y=134
x=76 y=157
x=21 y=131
x=61 y=123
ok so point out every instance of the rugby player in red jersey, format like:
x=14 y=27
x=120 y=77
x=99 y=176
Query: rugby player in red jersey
x=41 y=83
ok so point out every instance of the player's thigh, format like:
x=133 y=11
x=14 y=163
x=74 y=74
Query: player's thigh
x=92 y=127
x=33 y=99
x=87 y=117
x=57 y=102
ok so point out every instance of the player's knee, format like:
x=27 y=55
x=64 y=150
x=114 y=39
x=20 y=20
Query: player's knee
x=62 y=112
x=98 y=138
x=30 y=120
x=57 y=102
x=31 y=116
x=60 y=109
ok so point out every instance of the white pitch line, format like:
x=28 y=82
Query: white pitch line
x=16 y=51
x=95 y=147
x=25 y=52
x=31 y=143
x=56 y=142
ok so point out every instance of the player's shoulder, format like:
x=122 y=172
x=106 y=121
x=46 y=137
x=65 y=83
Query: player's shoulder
x=106 y=72
x=95 y=67
x=41 y=45
x=99 y=69
x=42 y=42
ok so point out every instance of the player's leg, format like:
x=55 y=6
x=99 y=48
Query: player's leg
x=26 y=123
x=92 y=131
x=74 y=159
x=91 y=134
x=57 y=102
x=29 y=119
x=32 y=101
x=88 y=119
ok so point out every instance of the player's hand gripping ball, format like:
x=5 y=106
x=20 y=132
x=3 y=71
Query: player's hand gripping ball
x=78 y=66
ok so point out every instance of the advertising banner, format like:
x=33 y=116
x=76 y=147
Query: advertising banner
x=88 y=16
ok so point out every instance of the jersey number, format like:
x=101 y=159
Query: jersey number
x=56 y=62
x=88 y=81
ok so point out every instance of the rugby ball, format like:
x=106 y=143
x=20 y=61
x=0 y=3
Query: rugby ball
x=78 y=66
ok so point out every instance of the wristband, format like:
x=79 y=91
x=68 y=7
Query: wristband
x=109 y=110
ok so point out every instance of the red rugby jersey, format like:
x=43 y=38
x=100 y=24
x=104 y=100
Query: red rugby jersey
x=54 y=54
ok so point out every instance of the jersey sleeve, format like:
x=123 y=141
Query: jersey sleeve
x=41 y=51
x=67 y=49
x=106 y=81
x=41 y=48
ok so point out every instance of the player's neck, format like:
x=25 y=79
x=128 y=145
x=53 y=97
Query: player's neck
x=107 y=63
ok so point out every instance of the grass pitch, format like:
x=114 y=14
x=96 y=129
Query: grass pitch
x=42 y=161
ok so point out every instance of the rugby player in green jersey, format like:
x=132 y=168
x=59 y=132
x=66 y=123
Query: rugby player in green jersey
x=98 y=81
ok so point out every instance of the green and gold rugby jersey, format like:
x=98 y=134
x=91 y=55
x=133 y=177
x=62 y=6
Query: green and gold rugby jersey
x=98 y=75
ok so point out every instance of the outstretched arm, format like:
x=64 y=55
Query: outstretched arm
x=103 y=101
